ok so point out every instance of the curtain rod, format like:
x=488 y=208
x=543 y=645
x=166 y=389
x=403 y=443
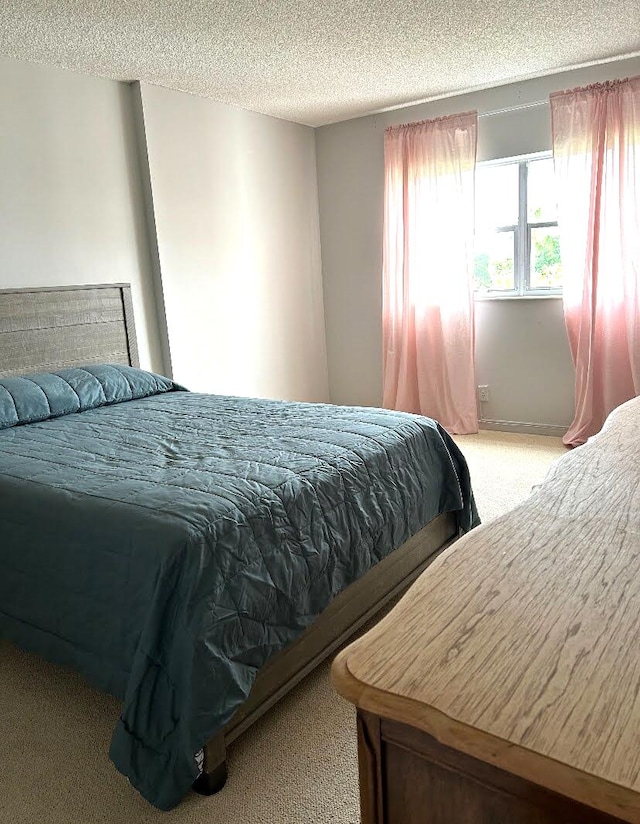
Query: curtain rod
x=514 y=108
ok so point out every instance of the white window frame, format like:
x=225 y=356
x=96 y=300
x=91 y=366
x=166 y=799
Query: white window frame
x=522 y=235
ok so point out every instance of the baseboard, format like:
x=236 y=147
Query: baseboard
x=524 y=428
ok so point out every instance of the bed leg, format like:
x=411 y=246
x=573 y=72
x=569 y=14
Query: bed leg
x=214 y=774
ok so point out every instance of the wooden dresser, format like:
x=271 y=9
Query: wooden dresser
x=504 y=688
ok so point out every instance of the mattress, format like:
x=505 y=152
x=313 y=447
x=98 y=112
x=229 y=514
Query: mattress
x=166 y=544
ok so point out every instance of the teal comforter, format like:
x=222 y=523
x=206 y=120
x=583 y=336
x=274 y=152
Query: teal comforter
x=167 y=544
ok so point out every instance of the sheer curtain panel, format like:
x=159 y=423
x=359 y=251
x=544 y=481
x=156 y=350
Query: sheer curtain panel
x=428 y=318
x=596 y=147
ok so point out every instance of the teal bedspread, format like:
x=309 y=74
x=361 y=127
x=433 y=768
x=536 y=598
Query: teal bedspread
x=167 y=544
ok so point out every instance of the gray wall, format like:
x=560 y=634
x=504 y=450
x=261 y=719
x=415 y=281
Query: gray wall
x=521 y=346
x=522 y=354
x=234 y=197
x=70 y=194
x=209 y=211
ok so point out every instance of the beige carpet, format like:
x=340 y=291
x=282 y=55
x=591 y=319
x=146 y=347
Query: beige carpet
x=297 y=766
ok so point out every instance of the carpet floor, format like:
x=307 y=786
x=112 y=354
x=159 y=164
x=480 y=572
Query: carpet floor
x=298 y=765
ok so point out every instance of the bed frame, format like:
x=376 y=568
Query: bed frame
x=55 y=328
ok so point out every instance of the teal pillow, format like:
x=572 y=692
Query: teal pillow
x=32 y=398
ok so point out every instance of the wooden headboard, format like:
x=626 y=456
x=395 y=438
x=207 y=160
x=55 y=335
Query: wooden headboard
x=45 y=329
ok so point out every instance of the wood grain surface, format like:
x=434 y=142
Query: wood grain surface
x=520 y=645
x=42 y=330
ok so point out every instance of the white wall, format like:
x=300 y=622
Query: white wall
x=522 y=350
x=235 y=205
x=70 y=194
x=522 y=354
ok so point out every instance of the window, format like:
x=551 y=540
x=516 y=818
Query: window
x=517 y=243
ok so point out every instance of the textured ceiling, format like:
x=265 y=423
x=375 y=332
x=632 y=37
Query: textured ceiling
x=323 y=61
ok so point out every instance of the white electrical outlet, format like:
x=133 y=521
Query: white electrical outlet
x=483 y=394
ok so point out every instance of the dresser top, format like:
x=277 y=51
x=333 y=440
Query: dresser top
x=520 y=645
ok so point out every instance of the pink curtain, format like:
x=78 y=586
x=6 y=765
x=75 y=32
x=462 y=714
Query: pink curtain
x=596 y=146
x=428 y=331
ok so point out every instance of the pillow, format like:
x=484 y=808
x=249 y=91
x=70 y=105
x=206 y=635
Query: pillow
x=33 y=398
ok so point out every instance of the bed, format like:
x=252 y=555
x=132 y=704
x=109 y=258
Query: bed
x=195 y=555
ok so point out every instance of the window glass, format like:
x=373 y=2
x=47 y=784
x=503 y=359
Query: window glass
x=494 y=262
x=545 y=264
x=517 y=242
x=541 y=192
x=496 y=196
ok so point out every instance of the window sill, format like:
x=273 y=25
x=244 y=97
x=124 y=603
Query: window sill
x=482 y=298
